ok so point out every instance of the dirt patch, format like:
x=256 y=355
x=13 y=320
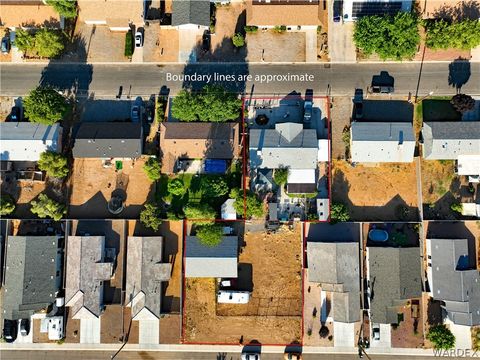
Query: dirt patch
x=160 y=44
x=170 y=329
x=111 y=325
x=172 y=232
x=341 y=114
x=265 y=45
x=409 y=332
x=92 y=186
x=72 y=329
x=381 y=192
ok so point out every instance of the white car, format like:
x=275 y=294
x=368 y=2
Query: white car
x=138 y=39
x=250 y=356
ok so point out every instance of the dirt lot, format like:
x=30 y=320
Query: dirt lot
x=341 y=115
x=268 y=43
x=170 y=329
x=92 y=187
x=409 y=333
x=273 y=315
x=377 y=193
x=160 y=44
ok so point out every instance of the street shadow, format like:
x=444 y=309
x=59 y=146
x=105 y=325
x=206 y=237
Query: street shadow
x=462 y=10
x=458 y=73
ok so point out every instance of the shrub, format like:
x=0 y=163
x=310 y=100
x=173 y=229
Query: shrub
x=324 y=332
x=150 y=217
x=463 y=103
x=251 y=29
x=49 y=43
x=200 y=212
x=66 y=8
x=441 y=337
x=339 y=213
x=279 y=29
x=46 y=207
x=442 y=34
x=210 y=234
x=152 y=169
x=45 y=105
x=254 y=207
x=55 y=164
x=280 y=176
x=24 y=41
x=7 y=205
x=456 y=207
x=160 y=111
x=214 y=186
x=176 y=187
x=128 y=44
x=238 y=40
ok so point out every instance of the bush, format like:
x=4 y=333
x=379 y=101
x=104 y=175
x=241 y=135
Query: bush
x=238 y=40
x=66 y=8
x=279 y=29
x=24 y=41
x=339 y=213
x=280 y=176
x=45 y=105
x=463 y=103
x=442 y=34
x=254 y=207
x=200 y=212
x=324 y=332
x=46 y=207
x=7 y=205
x=176 y=187
x=160 y=111
x=210 y=234
x=251 y=29
x=49 y=43
x=128 y=44
x=456 y=207
x=150 y=217
x=55 y=164
x=152 y=169
x=441 y=337
x=214 y=186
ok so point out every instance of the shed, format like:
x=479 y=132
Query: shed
x=228 y=211
x=469 y=164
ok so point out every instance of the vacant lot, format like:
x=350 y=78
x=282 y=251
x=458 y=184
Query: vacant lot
x=92 y=186
x=272 y=267
x=264 y=46
x=382 y=192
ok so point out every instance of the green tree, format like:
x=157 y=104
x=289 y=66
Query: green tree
x=210 y=234
x=254 y=207
x=280 y=176
x=238 y=40
x=150 y=217
x=441 y=337
x=24 y=41
x=7 y=205
x=176 y=187
x=339 y=213
x=212 y=104
x=55 y=164
x=214 y=186
x=391 y=37
x=456 y=207
x=442 y=34
x=66 y=8
x=463 y=103
x=49 y=43
x=199 y=212
x=152 y=168
x=46 y=207
x=45 y=105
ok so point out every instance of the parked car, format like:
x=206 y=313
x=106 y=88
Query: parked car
x=16 y=114
x=6 y=45
x=136 y=112
x=376 y=333
x=138 y=39
x=24 y=326
x=10 y=329
x=378 y=235
x=358 y=110
x=206 y=41
x=250 y=356
x=337 y=10
x=308 y=106
x=377 y=89
x=292 y=356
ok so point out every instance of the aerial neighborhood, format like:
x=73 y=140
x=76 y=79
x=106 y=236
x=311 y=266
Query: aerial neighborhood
x=240 y=177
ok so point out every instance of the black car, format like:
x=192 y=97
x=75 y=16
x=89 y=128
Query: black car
x=10 y=329
x=6 y=45
x=16 y=114
x=206 y=41
x=24 y=327
x=337 y=10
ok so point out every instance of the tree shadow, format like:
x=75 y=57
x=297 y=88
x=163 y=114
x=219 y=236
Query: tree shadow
x=467 y=9
x=458 y=73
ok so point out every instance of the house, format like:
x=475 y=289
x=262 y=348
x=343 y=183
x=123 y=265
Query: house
x=454 y=280
x=211 y=261
x=33 y=268
x=448 y=140
x=145 y=274
x=88 y=268
x=27 y=14
x=293 y=15
x=394 y=278
x=191 y=14
x=380 y=142
x=25 y=141
x=354 y=9
x=107 y=140
x=181 y=141
x=116 y=15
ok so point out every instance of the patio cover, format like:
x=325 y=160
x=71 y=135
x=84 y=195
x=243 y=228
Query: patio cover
x=469 y=164
x=301 y=176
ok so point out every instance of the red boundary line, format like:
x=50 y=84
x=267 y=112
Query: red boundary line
x=244 y=165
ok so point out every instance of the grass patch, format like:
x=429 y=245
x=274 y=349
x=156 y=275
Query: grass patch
x=439 y=110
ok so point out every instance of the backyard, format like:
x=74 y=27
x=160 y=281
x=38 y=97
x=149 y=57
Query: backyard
x=399 y=234
x=381 y=192
x=409 y=332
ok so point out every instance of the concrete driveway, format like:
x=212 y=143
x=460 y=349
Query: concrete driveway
x=344 y=334
x=385 y=337
x=90 y=331
x=340 y=41
x=148 y=331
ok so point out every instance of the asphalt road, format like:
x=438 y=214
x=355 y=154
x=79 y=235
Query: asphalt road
x=152 y=355
x=146 y=79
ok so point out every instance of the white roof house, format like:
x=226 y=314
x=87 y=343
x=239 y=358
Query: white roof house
x=380 y=142
x=25 y=141
x=469 y=164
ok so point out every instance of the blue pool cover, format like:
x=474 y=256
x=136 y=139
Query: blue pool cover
x=214 y=166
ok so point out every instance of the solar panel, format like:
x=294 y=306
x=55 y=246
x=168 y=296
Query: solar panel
x=360 y=9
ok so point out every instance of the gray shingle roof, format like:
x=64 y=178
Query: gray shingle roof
x=454 y=281
x=195 y=12
x=108 y=140
x=145 y=273
x=336 y=267
x=31 y=281
x=382 y=142
x=395 y=276
x=206 y=261
x=283 y=146
x=446 y=140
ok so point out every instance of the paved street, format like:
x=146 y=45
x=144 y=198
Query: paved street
x=146 y=79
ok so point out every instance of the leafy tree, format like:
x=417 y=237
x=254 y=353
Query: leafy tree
x=339 y=213
x=214 y=186
x=210 y=234
x=66 y=8
x=456 y=207
x=55 y=164
x=45 y=105
x=280 y=176
x=463 y=103
x=46 y=207
x=441 y=337
x=200 y=212
x=150 y=217
x=48 y=43
x=24 y=41
x=152 y=168
x=238 y=40
x=176 y=187
x=7 y=205
x=254 y=207
x=442 y=34
x=324 y=332
x=391 y=37
x=212 y=104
